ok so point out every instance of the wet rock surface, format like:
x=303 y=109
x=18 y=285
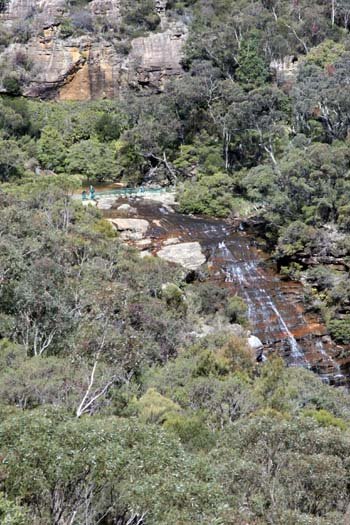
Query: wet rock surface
x=277 y=314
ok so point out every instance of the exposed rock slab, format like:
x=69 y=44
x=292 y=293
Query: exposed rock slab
x=145 y=253
x=157 y=56
x=105 y=204
x=167 y=199
x=254 y=343
x=130 y=229
x=187 y=254
x=89 y=203
x=44 y=11
x=171 y=241
x=126 y=209
x=285 y=70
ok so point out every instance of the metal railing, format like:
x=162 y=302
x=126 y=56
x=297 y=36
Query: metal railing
x=127 y=191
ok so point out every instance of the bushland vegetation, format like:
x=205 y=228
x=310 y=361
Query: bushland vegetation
x=114 y=411
x=258 y=124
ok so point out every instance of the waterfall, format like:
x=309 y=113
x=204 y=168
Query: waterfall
x=275 y=307
x=259 y=301
x=337 y=372
x=296 y=352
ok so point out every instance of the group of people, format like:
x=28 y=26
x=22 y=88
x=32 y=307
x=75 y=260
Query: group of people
x=91 y=196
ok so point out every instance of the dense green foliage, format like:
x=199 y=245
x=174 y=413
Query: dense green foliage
x=236 y=141
x=112 y=409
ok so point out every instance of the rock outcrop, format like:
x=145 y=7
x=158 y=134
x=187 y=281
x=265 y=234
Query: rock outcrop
x=254 y=343
x=285 y=70
x=90 y=66
x=42 y=12
x=187 y=254
x=109 y=8
x=130 y=229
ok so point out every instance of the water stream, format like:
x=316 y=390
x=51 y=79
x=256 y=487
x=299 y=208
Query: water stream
x=276 y=308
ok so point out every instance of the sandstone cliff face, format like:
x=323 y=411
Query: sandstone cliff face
x=89 y=66
x=105 y=8
x=44 y=12
x=285 y=71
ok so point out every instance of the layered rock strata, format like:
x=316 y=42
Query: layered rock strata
x=89 y=66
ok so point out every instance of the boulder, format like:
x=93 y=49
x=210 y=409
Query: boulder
x=255 y=343
x=143 y=244
x=187 y=254
x=106 y=203
x=127 y=209
x=145 y=253
x=171 y=240
x=130 y=229
x=89 y=203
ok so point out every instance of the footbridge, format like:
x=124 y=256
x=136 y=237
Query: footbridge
x=93 y=194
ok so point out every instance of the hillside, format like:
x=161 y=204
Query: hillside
x=85 y=50
x=187 y=363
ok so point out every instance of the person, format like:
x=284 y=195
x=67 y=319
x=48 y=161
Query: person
x=92 y=193
x=84 y=195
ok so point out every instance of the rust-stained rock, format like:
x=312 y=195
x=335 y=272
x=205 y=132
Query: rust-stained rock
x=57 y=64
x=90 y=67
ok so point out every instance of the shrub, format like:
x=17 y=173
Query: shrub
x=238 y=356
x=236 y=310
x=320 y=277
x=210 y=195
x=173 y=296
x=141 y=13
x=10 y=513
x=340 y=330
x=3 y=5
x=344 y=218
x=155 y=408
x=326 y=53
x=292 y=271
x=252 y=66
x=211 y=298
x=109 y=127
x=82 y=20
x=191 y=430
x=12 y=86
x=93 y=159
x=325 y=418
x=209 y=364
x=66 y=28
x=296 y=238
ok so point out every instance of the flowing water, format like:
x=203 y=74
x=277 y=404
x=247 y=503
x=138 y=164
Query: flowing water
x=276 y=307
